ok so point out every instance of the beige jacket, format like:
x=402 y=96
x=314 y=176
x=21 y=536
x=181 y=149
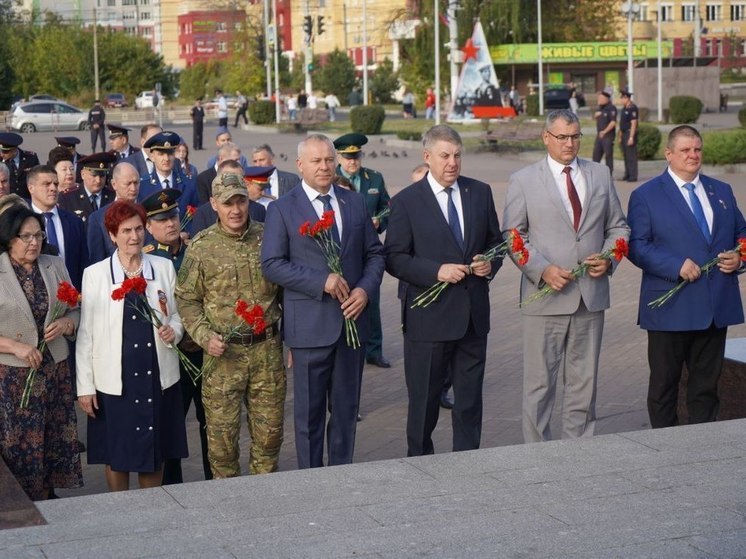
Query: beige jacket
x=17 y=320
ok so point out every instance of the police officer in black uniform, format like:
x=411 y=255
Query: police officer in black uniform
x=198 y=123
x=628 y=127
x=605 y=130
x=164 y=225
x=119 y=140
x=96 y=118
x=18 y=161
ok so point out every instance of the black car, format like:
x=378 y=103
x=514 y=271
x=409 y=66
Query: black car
x=559 y=98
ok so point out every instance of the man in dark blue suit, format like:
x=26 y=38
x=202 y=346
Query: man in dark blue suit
x=165 y=173
x=437 y=230
x=681 y=220
x=65 y=231
x=126 y=184
x=327 y=371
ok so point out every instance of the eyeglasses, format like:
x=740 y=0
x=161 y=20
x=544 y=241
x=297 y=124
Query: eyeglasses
x=565 y=137
x=28 y=237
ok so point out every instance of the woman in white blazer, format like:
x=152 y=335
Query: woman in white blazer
x=127 y=369
x=39 y=441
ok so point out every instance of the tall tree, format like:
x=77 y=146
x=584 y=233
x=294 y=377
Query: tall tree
x=336 y=75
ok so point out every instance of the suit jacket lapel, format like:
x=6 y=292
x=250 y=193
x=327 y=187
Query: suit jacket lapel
x=677 y=200
x=587 y=172
x=710 y=190
x=466 y=206
x=346 y=212
x=550 y=186
x=431 y=205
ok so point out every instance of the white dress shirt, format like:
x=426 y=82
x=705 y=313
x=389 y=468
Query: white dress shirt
x=57 y=227
x=560 y=179
x=318 y=205
x=699 y=191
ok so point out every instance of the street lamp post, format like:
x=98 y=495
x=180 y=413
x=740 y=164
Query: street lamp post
x=630 y=9
x=660 y=65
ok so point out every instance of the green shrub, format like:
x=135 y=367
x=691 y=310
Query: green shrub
x=724 y=148
x=532 y=105
x=742 y=117
x=685 y=109
x=367 y=119
x=648 y=141
x=410 y=135
x=262 y=112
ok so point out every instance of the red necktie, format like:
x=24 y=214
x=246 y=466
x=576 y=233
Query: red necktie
x=574 y=198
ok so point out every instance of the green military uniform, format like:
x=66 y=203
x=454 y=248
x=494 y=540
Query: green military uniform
x=219 y=268
x=371 y=185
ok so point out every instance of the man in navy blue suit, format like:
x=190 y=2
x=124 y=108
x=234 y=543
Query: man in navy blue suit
x=65 y=231
x=681 y=220
x=141 y=159
x=438 y=228
x=327 y=371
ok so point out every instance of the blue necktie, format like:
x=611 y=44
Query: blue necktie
x=699 y=213
x=453 y=221
x=51 y=231
x=326 y=199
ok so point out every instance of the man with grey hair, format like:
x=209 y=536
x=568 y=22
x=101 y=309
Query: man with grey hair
x=327 y=367
x=226 y=152
x=568 y=212
x=125 y=181
x=438 y=229
x=4 y=179
x=280 y=182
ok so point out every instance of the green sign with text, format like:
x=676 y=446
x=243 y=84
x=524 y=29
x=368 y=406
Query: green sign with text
x=577 y=52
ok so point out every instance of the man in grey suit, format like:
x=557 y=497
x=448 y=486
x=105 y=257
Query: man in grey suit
x=568 y=212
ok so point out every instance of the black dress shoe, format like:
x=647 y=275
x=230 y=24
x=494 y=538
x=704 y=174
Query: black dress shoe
x=445 y=400
x=380 y=362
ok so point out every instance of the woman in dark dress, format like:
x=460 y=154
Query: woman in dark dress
x=127 y=372
x=38 y=442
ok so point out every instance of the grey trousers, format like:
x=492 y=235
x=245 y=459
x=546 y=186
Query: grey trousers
x=566 y=349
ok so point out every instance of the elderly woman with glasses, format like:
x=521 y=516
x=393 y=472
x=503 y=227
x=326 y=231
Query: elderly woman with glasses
x=38 y=441
x=127 y=370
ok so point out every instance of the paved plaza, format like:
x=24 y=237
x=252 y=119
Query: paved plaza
x=444 y=488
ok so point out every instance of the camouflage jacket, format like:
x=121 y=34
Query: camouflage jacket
x=218 y=269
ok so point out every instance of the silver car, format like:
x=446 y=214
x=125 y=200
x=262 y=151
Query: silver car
x=47 y=115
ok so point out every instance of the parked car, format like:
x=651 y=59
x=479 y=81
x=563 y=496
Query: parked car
x=558 y=97
x=43 y=97
x=144 y=100
x=115 y=101
x=48 y=115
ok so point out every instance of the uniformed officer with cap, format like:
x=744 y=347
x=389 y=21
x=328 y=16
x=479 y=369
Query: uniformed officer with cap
x=166 y=174
x=605 y=130
x=628 y=127
x=70 y=143
x=221 y=266
x=93 y=193
x=18 y=161
x=257 y=181
x=163 y=224
x=371 y=185
x=120 y=142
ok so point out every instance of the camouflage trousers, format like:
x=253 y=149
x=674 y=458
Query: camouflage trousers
x=255 y=376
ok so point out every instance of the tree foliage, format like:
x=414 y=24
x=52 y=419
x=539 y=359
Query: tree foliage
x=384 y=82
x=336 y=75
x=56 y=57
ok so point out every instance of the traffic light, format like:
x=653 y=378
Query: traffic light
x=319 y=25
x=260 y=51
x=310 y=67
x=308 y=25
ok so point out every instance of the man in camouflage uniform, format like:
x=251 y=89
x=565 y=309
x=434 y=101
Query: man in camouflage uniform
x=164 y=226
x=222 y=265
